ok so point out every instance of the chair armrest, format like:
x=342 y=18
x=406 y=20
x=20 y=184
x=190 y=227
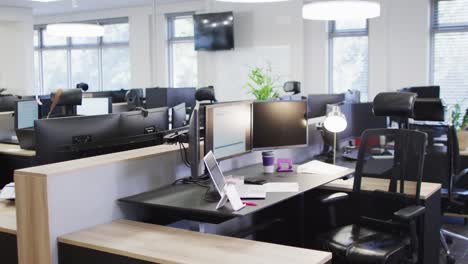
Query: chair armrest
x=409 y=213
x=333 y=198
x=460 y=175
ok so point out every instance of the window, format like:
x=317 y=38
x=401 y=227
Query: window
x=348 y=57
x=449 y=67
x=103 y=63
x=182 y=55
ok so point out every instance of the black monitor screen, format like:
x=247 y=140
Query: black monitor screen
x=317 y=103
x=279 y=124
x=228 y=129
x=214 y=31
x=137 y=123
x=424 y=91
x=179 y=116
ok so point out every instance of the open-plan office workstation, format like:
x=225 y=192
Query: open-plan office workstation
x=233 y=131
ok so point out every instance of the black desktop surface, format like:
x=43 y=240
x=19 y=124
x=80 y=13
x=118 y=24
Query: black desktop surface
x=187 y=201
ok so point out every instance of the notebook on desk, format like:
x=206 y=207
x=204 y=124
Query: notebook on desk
x=319 y=167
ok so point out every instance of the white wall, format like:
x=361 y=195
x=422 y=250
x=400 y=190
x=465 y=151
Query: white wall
x=276 y=33
x=16 y=50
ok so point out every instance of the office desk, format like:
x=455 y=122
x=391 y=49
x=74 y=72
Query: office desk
x=12 y=157
x=15 y=150
x=8 y=248
x=187 y=201
x=132 y=242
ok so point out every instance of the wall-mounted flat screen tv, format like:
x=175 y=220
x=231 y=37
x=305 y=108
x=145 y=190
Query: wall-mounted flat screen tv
x=214 y=31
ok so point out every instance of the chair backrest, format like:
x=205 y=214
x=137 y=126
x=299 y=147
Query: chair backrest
x=390 y=165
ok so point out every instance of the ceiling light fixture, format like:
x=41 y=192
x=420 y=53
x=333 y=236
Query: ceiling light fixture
x=75 y=30
x=45 y=1
x=340 y=10
x=251 y=1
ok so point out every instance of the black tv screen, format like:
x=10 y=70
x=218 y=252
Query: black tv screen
x=214 y=31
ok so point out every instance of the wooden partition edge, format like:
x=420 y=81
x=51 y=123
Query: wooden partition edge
x=32 y=217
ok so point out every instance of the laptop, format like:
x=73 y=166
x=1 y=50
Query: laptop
x=219 y=181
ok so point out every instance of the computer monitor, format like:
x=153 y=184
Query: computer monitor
x=317 y=103
x=179 y=116
x=228 y=129
x=7 y=126
x=94 y=106
x=363 y=118
x=53 y=134
x=194 y=144
x=148 y=121
x=118 y=96
x=424 y=91
x=279 y=124
x=170 y=97
x=7 y=103
x=26 y=112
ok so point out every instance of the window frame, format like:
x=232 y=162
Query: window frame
x=333 y=33
x=100 y=45
x=436 y=28
x=172 y=39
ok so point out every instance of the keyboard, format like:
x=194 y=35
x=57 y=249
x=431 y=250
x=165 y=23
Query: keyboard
x=251 y=191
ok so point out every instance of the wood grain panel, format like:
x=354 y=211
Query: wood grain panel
x=34 y=245
x=371 y=184
x=8 y=217
x=163 y=245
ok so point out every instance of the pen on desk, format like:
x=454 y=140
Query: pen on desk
x=250 y=203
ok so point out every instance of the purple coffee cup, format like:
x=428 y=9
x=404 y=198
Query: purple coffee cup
x=268 y=162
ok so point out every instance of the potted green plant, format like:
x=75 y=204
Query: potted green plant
x=262 y=84
x=460 y=122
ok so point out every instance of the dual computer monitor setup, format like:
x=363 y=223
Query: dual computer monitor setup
x=236 y=128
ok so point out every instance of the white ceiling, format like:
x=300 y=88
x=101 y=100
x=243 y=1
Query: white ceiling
x=66 y=6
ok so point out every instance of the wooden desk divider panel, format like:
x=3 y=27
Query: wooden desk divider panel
x=65 y=197
x=159 y=244
x=371 y=184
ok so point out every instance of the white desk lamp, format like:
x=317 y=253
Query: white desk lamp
x=335 y=122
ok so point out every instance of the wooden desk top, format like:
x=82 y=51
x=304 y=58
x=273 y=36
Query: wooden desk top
x=73 y=165
x=163 y=245
x=371 y=184
x=7 y=217
x=15 y=150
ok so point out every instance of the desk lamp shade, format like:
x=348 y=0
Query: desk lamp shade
x=340 y=9
x=335 y=121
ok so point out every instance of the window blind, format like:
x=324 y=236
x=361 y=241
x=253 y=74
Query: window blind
x=449 y=50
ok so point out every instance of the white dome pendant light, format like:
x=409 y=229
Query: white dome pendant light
x=75 y=30
x=82 y=30
x=340 y=9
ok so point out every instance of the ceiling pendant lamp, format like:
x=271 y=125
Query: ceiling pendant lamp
x=251 y=1
x=75 y=30
x=340 y=9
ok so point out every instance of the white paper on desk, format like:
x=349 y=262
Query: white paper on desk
x=319 y=167
x=281 y=187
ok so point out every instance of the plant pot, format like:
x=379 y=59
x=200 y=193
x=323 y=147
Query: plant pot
x=463 y=140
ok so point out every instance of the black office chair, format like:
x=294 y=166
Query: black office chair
x=206 y=94
x=387 y=233
x=443 y=163
x=134 y=99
